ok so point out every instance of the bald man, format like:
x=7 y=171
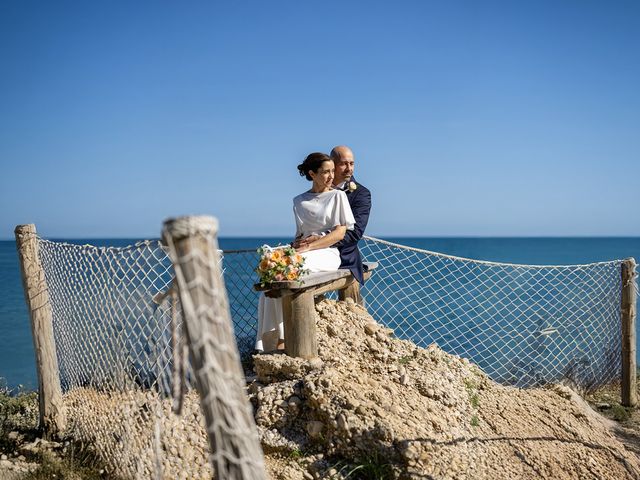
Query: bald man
x=360 y=200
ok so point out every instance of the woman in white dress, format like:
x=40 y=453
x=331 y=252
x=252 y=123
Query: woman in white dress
x=322 y=211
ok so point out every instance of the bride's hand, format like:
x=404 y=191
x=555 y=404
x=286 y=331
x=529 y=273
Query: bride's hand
x=302 y=248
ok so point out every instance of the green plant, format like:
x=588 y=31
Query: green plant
x=475 y=421
x=620 y=413
x=51 y=466
x=474 y=400
x=370 y=467
x=18 y=412
x=78 y=461
x=470 y=384
x=404 y=360
x=295 y=453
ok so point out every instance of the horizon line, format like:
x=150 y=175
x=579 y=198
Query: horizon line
x=444 y=237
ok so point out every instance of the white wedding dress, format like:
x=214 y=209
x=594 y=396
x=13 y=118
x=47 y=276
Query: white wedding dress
x=315 y=214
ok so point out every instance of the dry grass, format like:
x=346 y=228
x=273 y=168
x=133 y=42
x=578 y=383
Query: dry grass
x=606 y=400
x=19 y=414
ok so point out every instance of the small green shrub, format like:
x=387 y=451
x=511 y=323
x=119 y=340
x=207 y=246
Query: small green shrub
x=404 y=360
x=295 y=453
x=475 y=421
x=18 y=412
x=620 y=413
x=470 y=384
x=371 y=467
x=67 y=467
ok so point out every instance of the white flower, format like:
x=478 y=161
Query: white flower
x=352 y=186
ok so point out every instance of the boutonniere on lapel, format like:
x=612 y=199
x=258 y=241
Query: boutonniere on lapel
x=352 y=186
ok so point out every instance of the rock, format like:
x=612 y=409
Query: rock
x=316 y=363
x=314 y=428
x=371 y=328
x=342 y=422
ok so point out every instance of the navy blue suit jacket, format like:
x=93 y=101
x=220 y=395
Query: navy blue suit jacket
x=360 y=202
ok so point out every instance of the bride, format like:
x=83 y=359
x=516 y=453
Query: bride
x=321 y=211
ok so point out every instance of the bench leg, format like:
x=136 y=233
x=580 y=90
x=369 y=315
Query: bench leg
x=351 y=291
x=300 y=339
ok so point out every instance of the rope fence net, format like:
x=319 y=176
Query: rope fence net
x=524 y=325
x=117 y=334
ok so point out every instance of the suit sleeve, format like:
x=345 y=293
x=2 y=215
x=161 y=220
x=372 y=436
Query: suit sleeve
x=361 y=207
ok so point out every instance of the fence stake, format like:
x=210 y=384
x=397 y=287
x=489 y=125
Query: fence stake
x=52 y=414
x=233 y=437
x=628 y=316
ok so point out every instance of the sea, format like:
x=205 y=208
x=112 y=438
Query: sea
x=17 y=366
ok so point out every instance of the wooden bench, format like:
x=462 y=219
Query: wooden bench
x=298 y=306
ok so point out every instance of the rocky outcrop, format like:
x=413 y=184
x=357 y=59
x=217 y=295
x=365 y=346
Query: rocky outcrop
x=373 y=400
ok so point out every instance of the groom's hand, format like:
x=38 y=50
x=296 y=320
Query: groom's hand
x=305 y=242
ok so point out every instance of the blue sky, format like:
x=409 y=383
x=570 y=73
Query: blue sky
x=466 y=118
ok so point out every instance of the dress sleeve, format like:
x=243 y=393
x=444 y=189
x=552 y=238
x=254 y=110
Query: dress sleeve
x=342 y=214
x=296 y=216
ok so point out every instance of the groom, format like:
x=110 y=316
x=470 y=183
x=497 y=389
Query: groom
x=360 y=202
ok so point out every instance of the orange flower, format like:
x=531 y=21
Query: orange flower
x=298 y=258
x=276 y=255
x=264 y=264
x=292 y=275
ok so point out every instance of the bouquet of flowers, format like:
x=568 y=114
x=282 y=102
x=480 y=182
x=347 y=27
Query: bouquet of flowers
x=279 y=264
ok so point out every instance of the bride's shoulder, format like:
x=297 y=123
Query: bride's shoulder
x=302 y=196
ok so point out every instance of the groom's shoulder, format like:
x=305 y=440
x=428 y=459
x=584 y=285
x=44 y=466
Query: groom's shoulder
x=362 y=188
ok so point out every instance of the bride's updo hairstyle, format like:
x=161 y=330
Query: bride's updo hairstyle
x=313 y=163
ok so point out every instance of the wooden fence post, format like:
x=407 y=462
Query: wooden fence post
x=52 y=414
x=233 y=436
x=628 y=316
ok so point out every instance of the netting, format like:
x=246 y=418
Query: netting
x=115 y=352
x=524 y=325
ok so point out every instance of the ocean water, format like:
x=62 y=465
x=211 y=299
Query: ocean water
x=16 y=349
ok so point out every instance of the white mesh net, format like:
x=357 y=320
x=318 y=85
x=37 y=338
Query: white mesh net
x=524 y=325
x=115 y=354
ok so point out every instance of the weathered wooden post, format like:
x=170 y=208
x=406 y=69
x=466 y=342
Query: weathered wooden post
x=628 y=316
x=52 y=414
x=351 y=291
x=299 y=312
x=233 y=436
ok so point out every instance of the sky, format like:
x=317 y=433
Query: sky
x=466 y=118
